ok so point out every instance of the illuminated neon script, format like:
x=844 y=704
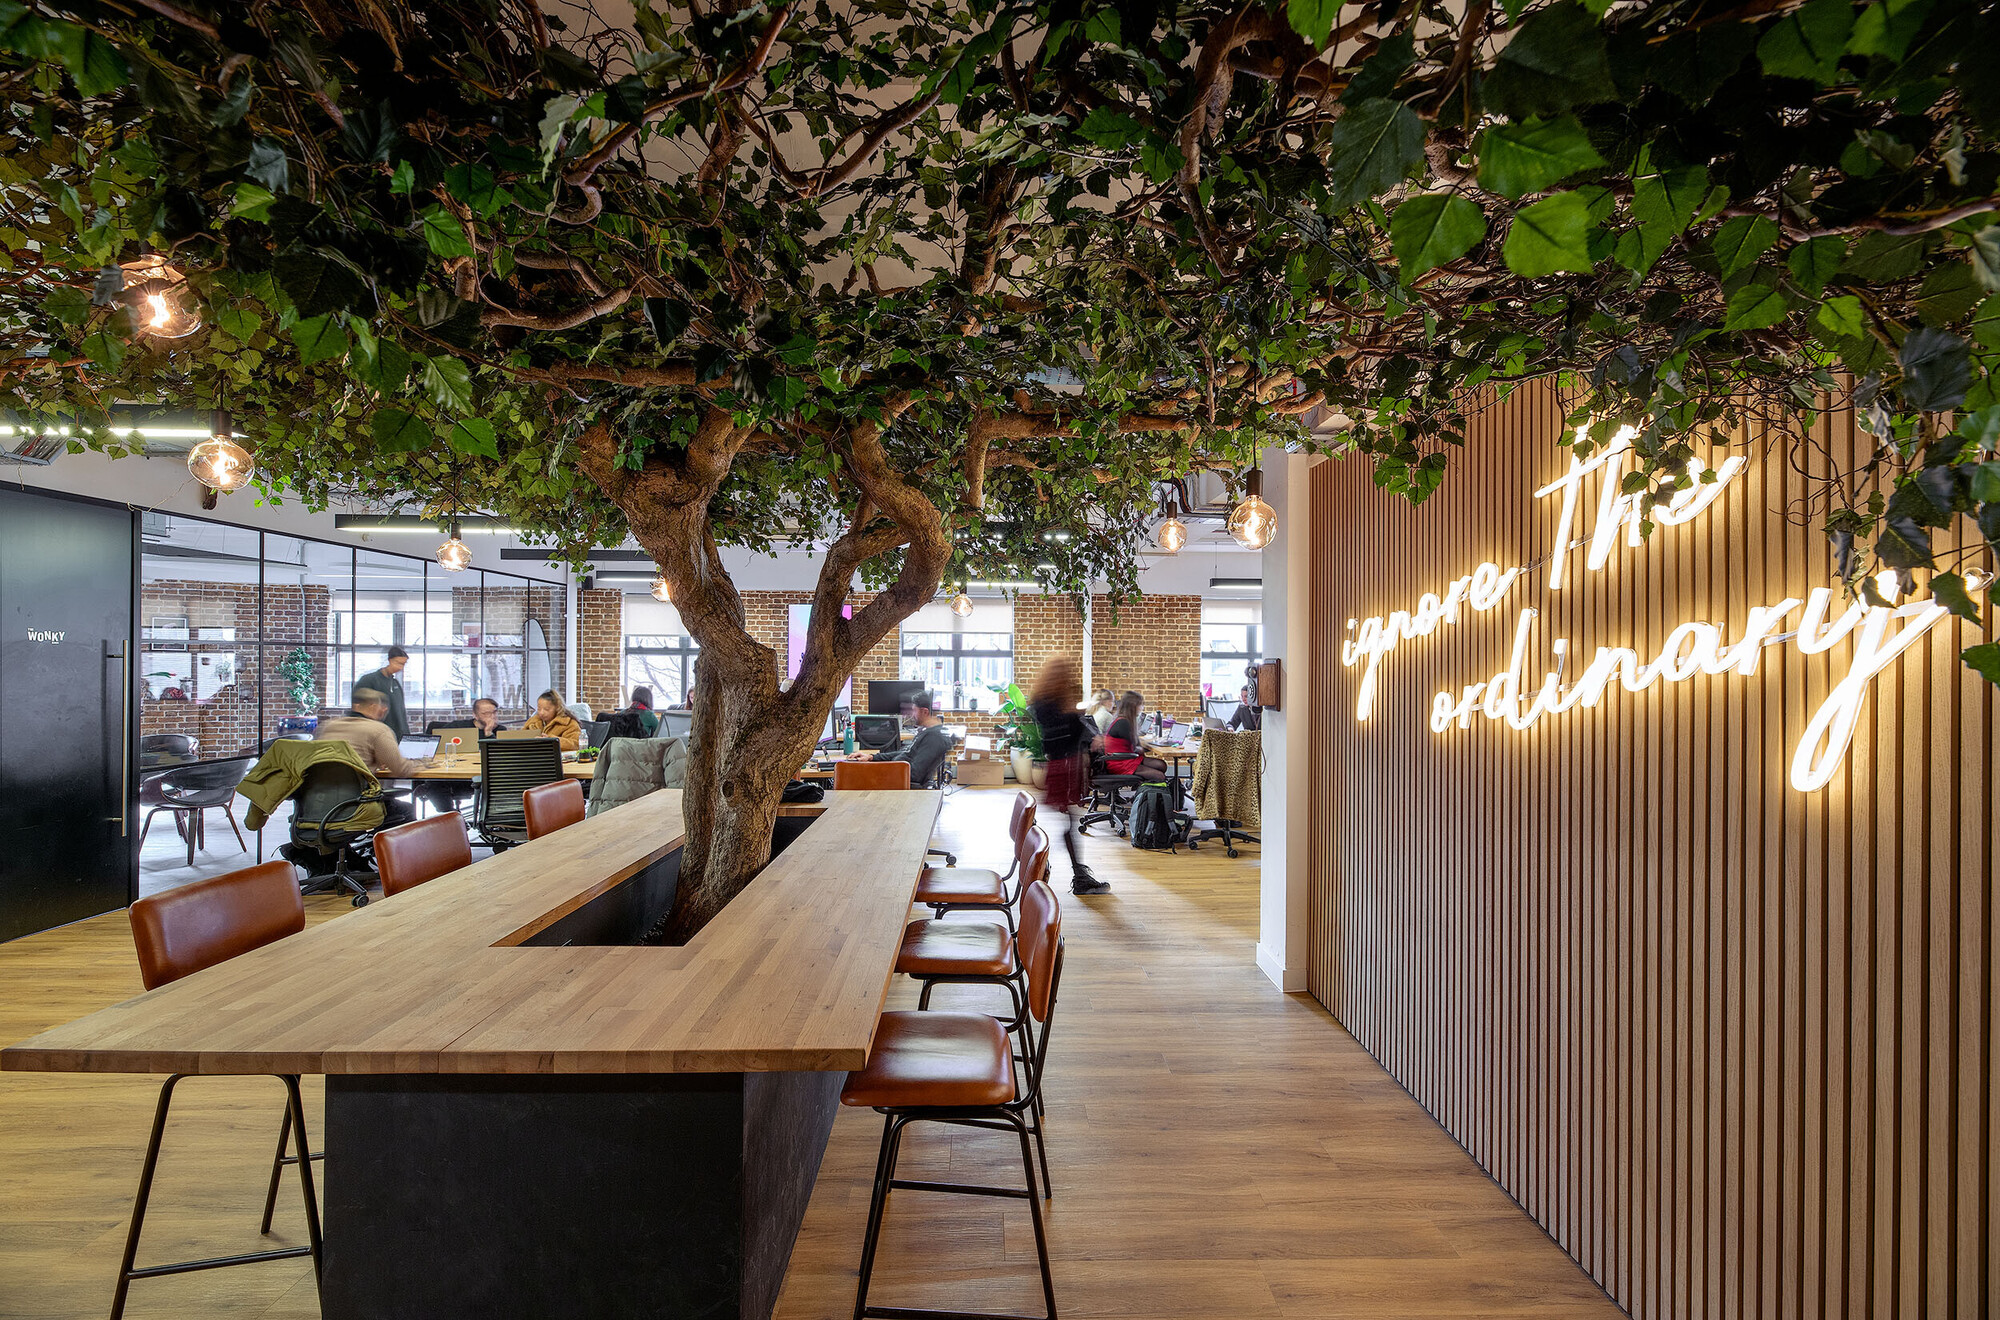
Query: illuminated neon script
x=1878 y=634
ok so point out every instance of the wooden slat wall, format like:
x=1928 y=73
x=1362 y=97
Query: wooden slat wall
x=1731 y=1044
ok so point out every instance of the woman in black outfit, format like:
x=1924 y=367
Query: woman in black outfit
x=1066 y=746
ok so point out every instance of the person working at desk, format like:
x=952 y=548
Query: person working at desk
x=486 y=717
x=927 y=751
x=642 y=706
x=385 y=683
x=366 y=730
x=553 y=720
x=1247 y=716
x=1123 y=753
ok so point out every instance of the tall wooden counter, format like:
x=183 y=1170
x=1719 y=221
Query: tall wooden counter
x=523 y=1123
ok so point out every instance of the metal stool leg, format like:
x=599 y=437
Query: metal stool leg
x=885 y=1170
x=277 y=1169
x=305 y=1174
x=1035 y=1210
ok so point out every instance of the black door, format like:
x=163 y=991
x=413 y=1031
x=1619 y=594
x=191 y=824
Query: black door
x=67 y=837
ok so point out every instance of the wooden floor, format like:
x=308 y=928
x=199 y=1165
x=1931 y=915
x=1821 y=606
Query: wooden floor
x=1219 y=1149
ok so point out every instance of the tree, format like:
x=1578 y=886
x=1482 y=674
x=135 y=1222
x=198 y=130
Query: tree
x=948 y=288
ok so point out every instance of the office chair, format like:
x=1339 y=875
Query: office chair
x=509 y=767
x=596 y=731
x=323 y=812
x=675 y=724
x=189 y=792
x=878 y=733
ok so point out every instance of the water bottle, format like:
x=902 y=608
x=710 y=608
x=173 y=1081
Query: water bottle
x=847 y=741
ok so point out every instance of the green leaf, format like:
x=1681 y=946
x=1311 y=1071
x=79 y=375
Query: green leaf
x=1985 y=258
x=1842 y=316
x=1983 y=659
x=1887 y=27
x=1103 y=28
x=94 y=64
x=1110 y=128
x=1948 y=293
x=476 y=187
x=386 y=371
x=1517 y=159
x=1881 y=258
x=474 y=437
x=1556 y=60
x=1432 y=228
x=252 y=201
x=239 y=323
x=319 y=338
x=268 y=166
x=317 y=283
x=229 y=111
x=1986 y=483
x=1380 y=72
x=1949 y=589
x=404 y=179
x=1809 y=42
x=68 y=304
x=450 y=382
x=1663 y=204
x=1754 y=306
x=1741 y=240
x=1372 y=148
x=1937 y=368
x=1552 y=235
x=400 y=432
x=667 y=318
x=444 y=234
x=106 y=350
x=1312 y=19
x=1815 y=261
x=1160 y=160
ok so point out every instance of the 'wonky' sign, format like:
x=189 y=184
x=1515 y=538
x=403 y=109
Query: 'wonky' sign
x=1877 y=634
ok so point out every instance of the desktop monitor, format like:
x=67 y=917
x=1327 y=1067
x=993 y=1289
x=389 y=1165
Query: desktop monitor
x=879 y=733
x=889 y=696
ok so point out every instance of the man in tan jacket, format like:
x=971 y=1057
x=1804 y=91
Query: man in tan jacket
x=362 y=729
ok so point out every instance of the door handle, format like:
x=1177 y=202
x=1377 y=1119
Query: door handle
x=124 y=658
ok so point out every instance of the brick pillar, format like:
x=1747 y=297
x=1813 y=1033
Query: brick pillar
x=600 y=648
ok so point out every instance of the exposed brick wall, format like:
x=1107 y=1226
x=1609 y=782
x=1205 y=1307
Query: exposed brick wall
x=1153 y=647
x=600 y=648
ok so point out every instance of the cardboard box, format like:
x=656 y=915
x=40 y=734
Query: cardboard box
x=984 y=772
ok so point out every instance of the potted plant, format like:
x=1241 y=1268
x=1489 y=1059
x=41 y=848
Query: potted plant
x=1021 y=736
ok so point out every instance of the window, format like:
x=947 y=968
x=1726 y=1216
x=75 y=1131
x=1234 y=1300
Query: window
x=961 y=659
x=1232 y=638
x=659 y=654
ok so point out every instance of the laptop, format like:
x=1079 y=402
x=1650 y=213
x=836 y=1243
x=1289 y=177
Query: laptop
x=417 y=749
x=520 y=733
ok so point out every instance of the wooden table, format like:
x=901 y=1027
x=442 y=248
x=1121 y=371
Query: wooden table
x=527 y=1114
x=465 y=769
x=1175 y=757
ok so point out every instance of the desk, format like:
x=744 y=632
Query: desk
x=465 y=769
x=1175 y=757
x=524 y=1123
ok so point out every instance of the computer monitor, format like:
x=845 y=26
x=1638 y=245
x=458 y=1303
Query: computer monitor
x=888 y=696
x=878 y=733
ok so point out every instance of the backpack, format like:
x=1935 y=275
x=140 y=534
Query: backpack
x=623 y=724
x=1152 y=820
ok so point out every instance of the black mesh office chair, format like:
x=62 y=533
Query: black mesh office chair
x=597 y=732
x=1110 y=798
x=509 y=767
x=323 y=811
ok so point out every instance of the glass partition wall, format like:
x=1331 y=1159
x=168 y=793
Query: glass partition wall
x=246 y=636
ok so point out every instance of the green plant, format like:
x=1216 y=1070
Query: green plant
x=1018 y=727
x=297 y=671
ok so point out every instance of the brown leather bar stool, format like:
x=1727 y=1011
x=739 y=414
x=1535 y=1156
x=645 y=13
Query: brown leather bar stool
x=958 y=1068
x=950 y=888
x=181 y=932
x=938 y=952
x=850 y=776
x=550 y=807
x=408 y=855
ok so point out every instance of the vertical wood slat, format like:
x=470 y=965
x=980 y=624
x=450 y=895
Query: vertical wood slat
x=1730 y=1044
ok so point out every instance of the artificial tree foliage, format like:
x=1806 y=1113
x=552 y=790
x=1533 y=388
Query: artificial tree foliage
x=948 y=288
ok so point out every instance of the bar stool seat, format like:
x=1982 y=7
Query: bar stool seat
x=934 y=1061
x=969 y=885
x=956 y=948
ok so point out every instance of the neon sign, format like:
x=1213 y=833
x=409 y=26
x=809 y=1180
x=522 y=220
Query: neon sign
x=1878 y=634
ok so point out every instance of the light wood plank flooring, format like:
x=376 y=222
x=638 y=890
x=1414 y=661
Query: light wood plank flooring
x=1219 y=1149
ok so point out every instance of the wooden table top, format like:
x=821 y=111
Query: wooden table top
x=467 y=768
x=789 y=977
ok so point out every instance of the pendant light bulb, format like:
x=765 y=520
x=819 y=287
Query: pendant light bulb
x=218 y=462
x=1171 y=534
x=161 y=303
x=661 y=592
x=961 y=605
x=454 y=556
x=1252 y=522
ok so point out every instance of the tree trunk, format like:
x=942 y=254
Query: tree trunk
x=748 y=740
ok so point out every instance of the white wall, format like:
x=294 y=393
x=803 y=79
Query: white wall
x=1282 y=924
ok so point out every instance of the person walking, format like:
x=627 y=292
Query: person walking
x=1066 y=740
x=385 y=683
